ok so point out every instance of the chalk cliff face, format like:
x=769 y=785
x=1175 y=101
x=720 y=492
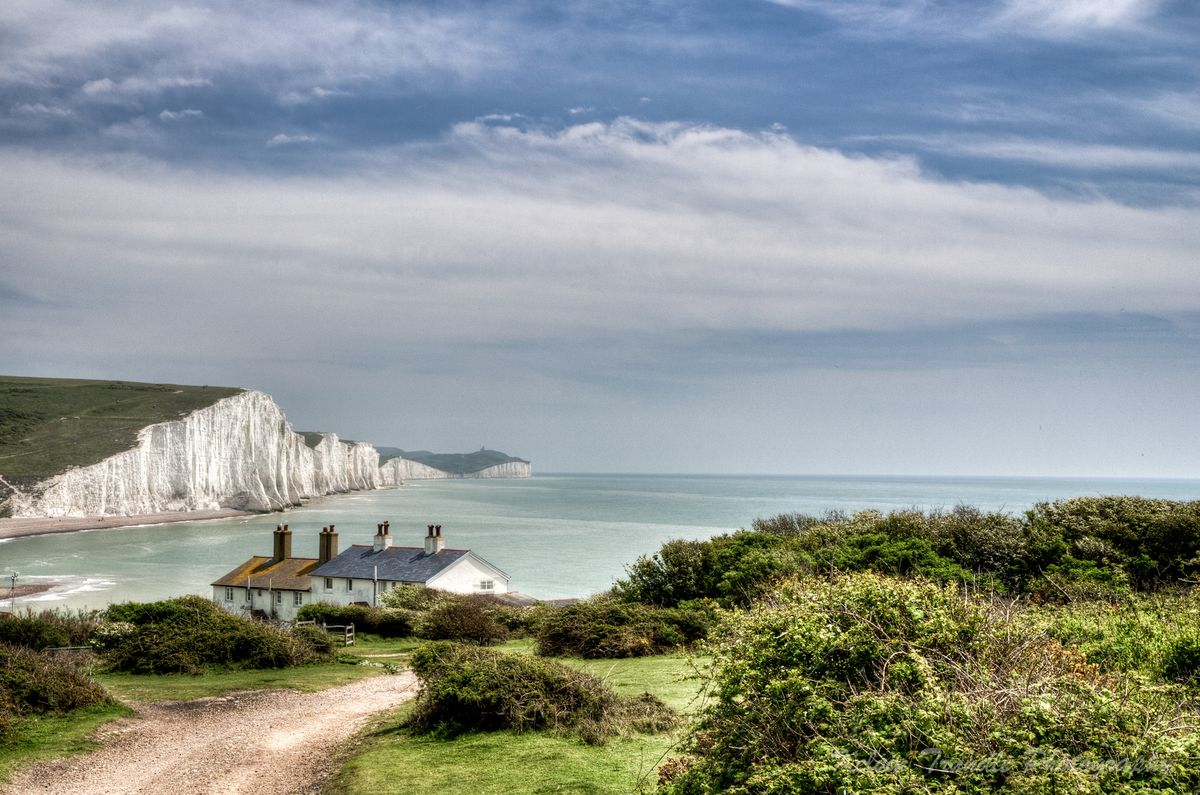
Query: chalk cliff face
x=395 y=471
x=238 y=453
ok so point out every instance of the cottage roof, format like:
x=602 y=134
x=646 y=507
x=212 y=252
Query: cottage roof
x=289 y=574
x=400 y=564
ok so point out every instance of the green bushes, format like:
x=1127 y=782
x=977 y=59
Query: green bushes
x=1079 y=549
x=863 y=683
x=31 y=633
x=48 y=629
x=189 y=634
x=608 y=628
x=387 y=623
x=468 y=688
x=732 y=569
x=34 y=682
x=462 y=619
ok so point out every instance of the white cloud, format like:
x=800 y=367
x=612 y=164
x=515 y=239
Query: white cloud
x=1060 y=154
x=282 y=139
x=42 y=109
x=297 y=45
x=1179 y=109
x=1068 y=17
x=632 y=227
x=139 y=85
x=1037 y=18
x=181 y=115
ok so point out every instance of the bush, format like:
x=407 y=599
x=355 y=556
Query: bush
x=468 y=688
x=34 y=682
x=31 y=633
x=189 y=634
x=864 y=683
x=732 y=569
x=462 y=619
x=608 y=628
x=385 y=622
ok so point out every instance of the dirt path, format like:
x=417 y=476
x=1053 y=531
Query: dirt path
x=263 y=742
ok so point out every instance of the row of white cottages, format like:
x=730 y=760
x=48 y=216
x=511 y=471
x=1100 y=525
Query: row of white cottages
x=280 y=585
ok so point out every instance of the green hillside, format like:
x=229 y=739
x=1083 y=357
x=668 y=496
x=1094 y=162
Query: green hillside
x=48 y=425
x=454 y=463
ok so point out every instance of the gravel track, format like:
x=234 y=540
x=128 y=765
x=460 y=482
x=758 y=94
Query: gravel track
x=269 y=742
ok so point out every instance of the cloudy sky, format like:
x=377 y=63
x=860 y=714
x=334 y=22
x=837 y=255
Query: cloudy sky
x=800 y=236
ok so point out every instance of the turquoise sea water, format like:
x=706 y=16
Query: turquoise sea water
x=556 y=535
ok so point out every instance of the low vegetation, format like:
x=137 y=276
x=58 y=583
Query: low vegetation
x=190 y=634
x=862 y=683
x=1071 y=550
x=38 y=682
x=468 y=688
x=608 y=628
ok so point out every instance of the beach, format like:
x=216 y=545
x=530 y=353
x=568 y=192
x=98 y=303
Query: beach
x=22 y=528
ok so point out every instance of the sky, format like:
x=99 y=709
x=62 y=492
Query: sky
x=765 y=236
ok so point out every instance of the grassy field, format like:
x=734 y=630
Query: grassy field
x=50 y=424
x=55 y=736
x=182 y=687
x=390 y=761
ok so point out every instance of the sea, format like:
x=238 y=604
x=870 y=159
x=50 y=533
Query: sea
x=556 y=535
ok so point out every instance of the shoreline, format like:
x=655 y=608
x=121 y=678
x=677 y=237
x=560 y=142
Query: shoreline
x=25 y=528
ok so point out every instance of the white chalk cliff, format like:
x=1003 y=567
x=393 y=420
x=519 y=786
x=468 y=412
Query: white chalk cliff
x=239 y=453
x=397 y=470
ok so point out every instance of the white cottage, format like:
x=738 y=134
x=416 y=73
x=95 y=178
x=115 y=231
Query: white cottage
x=280 y=585
x=362 y=572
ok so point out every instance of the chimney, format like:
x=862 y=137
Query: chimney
x=331 y=543
x=283 y=542
x=323 y=546
x=383 y=538
x=433 y=541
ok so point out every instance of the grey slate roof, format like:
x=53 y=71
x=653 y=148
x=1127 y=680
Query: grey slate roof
x=402 y=564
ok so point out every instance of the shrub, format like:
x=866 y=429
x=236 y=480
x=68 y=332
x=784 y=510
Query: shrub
x=608 y=628
x=412 y=597
x=468 y=688
x=462 y=619
x=864 y=683
x=1153 y=539
x=386 y=622
x=34 y=682
x=189 y=634
x=31 y=633
x=732 y=569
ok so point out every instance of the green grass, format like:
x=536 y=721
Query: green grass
x=390 y=760
x=50 y=424
x=183 y=687
x=54 y=736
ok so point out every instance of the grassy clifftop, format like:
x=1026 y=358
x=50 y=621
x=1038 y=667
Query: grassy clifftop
x=48 y=425
x=454 y=463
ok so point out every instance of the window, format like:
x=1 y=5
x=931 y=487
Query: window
x=247 y=596
x=349 y=585
x=487 y=585
x=228 y=594
x=279 y=597
x=328 y=583
x=298 y=598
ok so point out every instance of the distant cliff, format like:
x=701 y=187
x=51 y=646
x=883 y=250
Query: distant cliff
x=237 y=453
x=483 y=463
